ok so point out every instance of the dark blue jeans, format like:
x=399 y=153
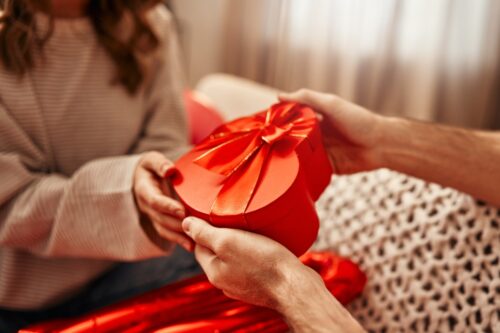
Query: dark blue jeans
x=122 y=282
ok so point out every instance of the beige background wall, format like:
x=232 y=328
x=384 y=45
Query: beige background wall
x=420 y=59
x=201 y=24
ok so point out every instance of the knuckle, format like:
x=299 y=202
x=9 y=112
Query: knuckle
x=171 y=223
x=331 y=99
x=148 y=200
x=155 y=154
x=216 y=279
x=333 y=103
x=155 y=203
x=223 y=244
x=195 y=233
x=146 y=157
x=151 y=157
x=168 y=206
x=304 y=92
x=159 y=158
x=141 y=189
x=212 y=280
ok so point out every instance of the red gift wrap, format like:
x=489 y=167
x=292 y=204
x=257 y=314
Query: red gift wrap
x=261 y=173
x=195 y=306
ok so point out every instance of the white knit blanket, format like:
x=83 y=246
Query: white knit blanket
x=431 y=253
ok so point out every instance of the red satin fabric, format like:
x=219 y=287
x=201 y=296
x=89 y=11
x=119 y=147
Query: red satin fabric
x=194 y=305
x=203 y=117
x=240 y=149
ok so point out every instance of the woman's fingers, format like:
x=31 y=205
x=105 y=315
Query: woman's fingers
x=165 y=221
x=149 y=187
x=165 y=212
x=150 y=195
x=175 y=237
x=159 y=164
x=168 y=227
x=168 y=206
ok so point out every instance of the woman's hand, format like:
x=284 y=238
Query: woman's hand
x=260 y=271
x=152 y=195
x=351 y=132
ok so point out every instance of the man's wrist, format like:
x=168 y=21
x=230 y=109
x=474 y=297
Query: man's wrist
x=392 y=131
x=285 y=284
x=295 y=301
x=375 y=152
x=308 y=306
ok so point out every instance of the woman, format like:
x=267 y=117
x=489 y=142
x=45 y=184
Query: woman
x=90 y=118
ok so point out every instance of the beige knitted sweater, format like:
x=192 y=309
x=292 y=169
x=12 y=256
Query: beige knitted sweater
x=69 y=144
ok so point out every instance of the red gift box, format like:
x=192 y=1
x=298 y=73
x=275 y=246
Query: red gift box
x=261 y=173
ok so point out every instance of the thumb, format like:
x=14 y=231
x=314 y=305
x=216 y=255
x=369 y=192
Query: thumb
x=201 y=232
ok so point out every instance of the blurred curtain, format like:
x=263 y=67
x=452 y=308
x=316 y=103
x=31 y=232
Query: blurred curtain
x=427 y=59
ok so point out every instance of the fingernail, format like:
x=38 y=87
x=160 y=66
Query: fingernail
x=186 y=224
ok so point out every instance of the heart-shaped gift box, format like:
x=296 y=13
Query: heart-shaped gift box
x=261 y=173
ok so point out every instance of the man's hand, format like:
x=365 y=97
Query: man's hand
x=351 y=132
x=360 y=140
x=153 y=199
x=260 y=271
x=245 y=266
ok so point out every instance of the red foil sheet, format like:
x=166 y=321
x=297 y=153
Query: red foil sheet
x=194 y=305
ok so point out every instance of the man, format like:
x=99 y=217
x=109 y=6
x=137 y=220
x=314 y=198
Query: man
x=258 y=270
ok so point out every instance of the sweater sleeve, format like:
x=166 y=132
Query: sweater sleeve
x=91 y=214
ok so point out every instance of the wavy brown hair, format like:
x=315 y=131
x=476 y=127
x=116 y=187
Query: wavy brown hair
x=19 y=38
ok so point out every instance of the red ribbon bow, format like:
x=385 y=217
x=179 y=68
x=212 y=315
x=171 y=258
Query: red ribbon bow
x=240 y=149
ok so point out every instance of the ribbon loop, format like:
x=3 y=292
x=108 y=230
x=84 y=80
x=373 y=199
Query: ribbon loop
x=273 y=133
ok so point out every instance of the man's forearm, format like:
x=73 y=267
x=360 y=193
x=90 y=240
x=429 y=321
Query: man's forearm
x=308 y=306
x=466 y=160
